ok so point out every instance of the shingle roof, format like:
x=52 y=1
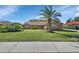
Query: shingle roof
x=73 y=23
x=37 y=23
x=5 y=23
x=1 y=23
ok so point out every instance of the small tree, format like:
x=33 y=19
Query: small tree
x=17 y=27
x=3 y=29
x=69 y=20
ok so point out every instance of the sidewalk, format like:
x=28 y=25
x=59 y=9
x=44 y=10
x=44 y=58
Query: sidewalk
x=39 y=47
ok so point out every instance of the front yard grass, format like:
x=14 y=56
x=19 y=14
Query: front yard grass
x=39 y=35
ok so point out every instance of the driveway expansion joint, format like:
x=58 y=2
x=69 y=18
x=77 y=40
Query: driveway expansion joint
x=13 y=47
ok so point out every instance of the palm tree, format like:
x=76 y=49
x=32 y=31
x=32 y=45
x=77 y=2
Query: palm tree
x=49 y=14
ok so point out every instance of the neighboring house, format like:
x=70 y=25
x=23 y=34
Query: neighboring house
x=0 y=24
x=41 y=25
x=4 y=23
x=73 y=23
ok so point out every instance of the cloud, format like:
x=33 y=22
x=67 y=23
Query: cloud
x=8 y=10
x=77 y=13
x=64 y=7
x=78 y=8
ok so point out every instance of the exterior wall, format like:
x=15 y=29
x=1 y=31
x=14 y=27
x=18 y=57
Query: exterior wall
x=27 y=26
x=38 y=27
x=56 y=26
x=45 y=27
x=59 y=26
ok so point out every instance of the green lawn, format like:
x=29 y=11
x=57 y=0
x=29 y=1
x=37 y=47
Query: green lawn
x=39 y=35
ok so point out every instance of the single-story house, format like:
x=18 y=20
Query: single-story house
x=74 y=23
x=4 y=23
x=41 y=25
x=37 y=25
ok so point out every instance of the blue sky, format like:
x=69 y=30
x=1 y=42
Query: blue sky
x=23 y=13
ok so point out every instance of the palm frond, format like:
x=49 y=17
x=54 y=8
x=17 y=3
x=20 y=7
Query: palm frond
x=53 y=12
x=50 y=7
x=58 y=14
x=48 y=12
x=43 y=18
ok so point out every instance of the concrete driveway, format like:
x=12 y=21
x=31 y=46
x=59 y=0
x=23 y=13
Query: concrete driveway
x=37 y=47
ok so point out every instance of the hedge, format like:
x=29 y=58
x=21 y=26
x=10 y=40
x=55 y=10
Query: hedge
x=10 y=28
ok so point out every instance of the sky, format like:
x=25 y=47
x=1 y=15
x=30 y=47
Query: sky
x=23 y=13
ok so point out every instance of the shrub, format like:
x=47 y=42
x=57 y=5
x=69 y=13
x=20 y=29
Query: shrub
x=10 y=28
x=69 y=27
x=0 y=28
x=18 y=27
x=3 y=29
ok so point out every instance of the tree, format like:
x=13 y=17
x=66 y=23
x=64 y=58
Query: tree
x=69 y=20
x=49 y=14
x=14 y=23
x=32 y=20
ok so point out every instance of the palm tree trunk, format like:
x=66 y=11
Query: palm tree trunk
x=49 y=23
x=49 y=28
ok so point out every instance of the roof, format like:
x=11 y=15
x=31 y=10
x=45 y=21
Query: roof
x=37 y=23
x=1 y=23
x=73 y=23
x=5 y=23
